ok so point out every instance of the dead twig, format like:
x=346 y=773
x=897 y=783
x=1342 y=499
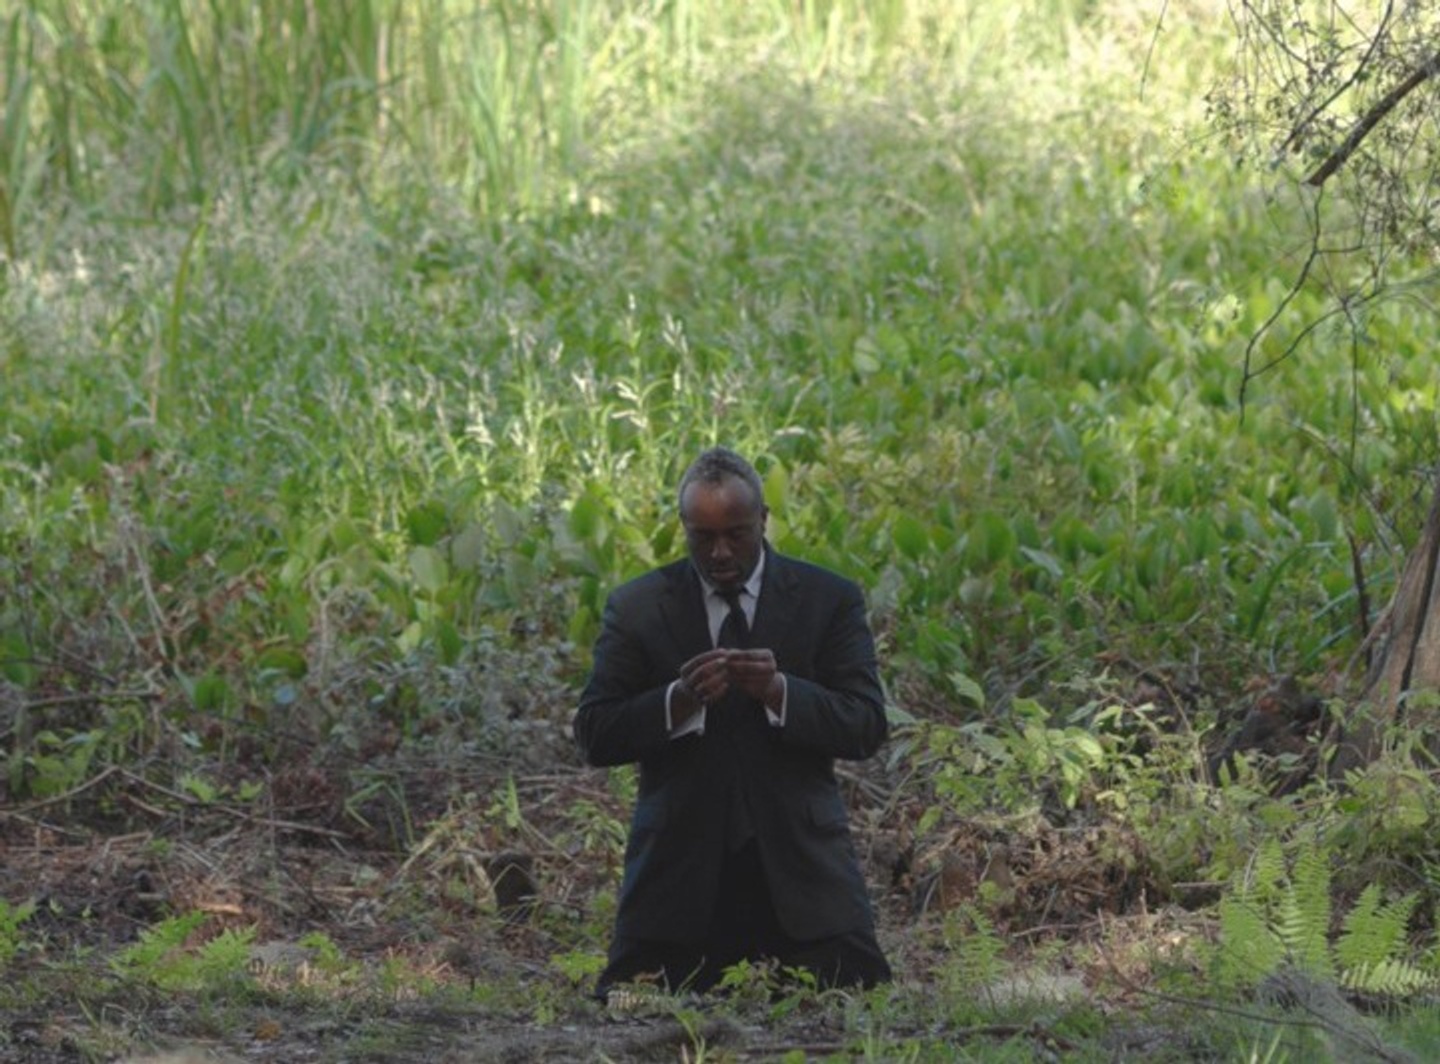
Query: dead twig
x=19 y=812
x=1004 y=1031
x=84 y=698
x=191 y=802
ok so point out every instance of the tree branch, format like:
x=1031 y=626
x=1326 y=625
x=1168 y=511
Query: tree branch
x=1341 y=155
x=1302 y=128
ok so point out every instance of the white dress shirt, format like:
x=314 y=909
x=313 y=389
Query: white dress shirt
x=717 y=609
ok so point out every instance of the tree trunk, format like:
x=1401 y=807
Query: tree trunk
x=1408 y=660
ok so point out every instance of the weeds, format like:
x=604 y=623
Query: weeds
x=164 y=957
x=11 y=917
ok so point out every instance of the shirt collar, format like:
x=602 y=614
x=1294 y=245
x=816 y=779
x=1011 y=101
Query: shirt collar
x=750 y=587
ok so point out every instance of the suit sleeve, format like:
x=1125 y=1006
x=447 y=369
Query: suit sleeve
x=839 y=710
x=622 y=709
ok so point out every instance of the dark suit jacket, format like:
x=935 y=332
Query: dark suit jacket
x=815 y=623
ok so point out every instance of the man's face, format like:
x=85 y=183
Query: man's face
x=724 y=530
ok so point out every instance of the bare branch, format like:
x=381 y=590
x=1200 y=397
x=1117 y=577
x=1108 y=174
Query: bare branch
x=1150 y=52
x=1372 y=118
x=1249 y=372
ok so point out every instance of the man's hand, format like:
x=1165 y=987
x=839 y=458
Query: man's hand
x=705 y=677
x=755 y=674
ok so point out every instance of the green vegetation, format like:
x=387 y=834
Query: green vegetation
x=350 y=353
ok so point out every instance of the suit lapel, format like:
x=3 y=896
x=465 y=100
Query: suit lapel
x=683 y=610
x=776 y=607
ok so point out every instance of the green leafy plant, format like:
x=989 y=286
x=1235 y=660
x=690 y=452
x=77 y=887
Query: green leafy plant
x=597 y=829
x=578 y=966
x=11 y=917
x=53 y=764
x=167 y=957
x=328 y=957
x=975 y=957
x=1278 y=915
x=1012 y=763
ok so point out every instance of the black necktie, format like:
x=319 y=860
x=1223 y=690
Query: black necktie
x=735 y=634
x=735 y=629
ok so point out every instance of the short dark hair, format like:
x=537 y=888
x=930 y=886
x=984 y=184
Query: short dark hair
x=714 y=466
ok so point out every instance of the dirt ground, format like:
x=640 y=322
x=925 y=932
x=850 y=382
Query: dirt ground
x=433 y=957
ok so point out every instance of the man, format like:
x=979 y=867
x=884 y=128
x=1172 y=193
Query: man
x=735 y=678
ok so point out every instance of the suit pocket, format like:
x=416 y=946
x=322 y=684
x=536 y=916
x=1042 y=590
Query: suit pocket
x=648 y=816
x=827 y=814
x=646 y=826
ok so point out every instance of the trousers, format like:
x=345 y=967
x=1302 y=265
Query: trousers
x=744 y=927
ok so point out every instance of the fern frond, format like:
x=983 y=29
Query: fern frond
x=1390 y=977
x=1249 y=950
x=976 y=957
x=1310 y=886
x=1264 y=872
x=1302 y=926
x=1374 y=930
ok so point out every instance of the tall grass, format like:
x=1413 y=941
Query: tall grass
x=174 y=102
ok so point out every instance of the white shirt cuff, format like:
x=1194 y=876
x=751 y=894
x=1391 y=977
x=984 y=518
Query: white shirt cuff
x=694 y=726
x=777 y=718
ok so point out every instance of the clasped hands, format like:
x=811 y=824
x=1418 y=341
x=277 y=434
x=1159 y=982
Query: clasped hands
x=708 y=677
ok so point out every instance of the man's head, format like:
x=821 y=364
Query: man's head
x=722 y=509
